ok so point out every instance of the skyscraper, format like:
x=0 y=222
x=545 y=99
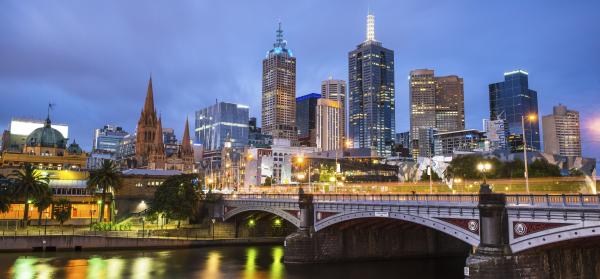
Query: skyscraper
x=328 y=125
x=371 y=98
x=335 y=89
x=108 y=138
x=510 y=100
x=435 y=102
x=562 y=134
x=306 y=118
x=279 y=91
x=216 y=123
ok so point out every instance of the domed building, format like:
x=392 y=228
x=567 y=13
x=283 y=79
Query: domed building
x=46 y=148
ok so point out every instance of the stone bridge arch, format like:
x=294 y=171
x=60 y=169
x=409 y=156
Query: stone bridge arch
x=530 y=234
x=288 y=215
x=465 y=230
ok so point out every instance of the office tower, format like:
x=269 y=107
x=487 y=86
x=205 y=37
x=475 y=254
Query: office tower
x=335 y=89
x=435 y=102
x=306 y=114
x=371 y=98
x=328 y=125
x=108 y=138
x=511 y=100
x=562 y=134
x=216 y=123
x=279 y=91
x=465 y=141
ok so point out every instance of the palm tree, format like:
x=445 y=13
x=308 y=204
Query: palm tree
x=42 y=202
x=106 y=178
x=29 y=183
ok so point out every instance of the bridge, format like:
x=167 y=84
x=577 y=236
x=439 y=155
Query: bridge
x=493 y=224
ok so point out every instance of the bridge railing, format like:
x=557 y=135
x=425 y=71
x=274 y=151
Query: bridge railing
x=286 y=197
x=393 y=198
x=563 y=200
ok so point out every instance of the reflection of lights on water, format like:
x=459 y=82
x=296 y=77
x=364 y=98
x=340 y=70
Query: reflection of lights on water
x=96 y=268
x=250 y=267
x=115 y=267
x=142 y=267
x=212 y=266
x=24 y=268
x=277 y=266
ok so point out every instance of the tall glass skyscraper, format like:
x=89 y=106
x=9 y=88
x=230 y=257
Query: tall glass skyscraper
x=510 y=100
x=371 y=100
x=220 y=121
x=279 y=91
x=306 y=111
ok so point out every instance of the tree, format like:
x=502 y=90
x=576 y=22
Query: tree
x=542 y=168
x=42 y=203
x=29 y=183
x=105 y=179
x=176 y=198
x=434 y=176
x=268 y=181
x=62 y=211
x=4 y=200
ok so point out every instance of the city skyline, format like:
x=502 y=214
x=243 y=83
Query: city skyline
x=86 y=90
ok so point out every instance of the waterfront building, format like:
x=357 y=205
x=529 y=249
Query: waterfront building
x=108 y=138
x=328 y=128
x=511 y=100
x=335 y=89
x=306 y=120
x=435 y=102
x=562 y=132
x=221 y=121
x=150 y=142
x=449 y=143
x=371 y=101
x=279 y=91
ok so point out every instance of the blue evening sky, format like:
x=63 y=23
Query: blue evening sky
x=93 y=58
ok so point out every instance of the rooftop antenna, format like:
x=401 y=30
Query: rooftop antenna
x=370 y=26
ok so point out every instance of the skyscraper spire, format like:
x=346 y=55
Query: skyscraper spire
x=370 y=26
x=279 y=41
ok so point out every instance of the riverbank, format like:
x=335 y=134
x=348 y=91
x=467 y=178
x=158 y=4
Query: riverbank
x=86 y=243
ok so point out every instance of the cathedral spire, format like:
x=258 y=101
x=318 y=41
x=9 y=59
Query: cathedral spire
x=149 y=103
x=185 y=141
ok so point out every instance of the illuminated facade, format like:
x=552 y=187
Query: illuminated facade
x=279 y=91
x=371 y=101
x=216 y=123
x=510 y=100
x=328 y=130
x=435 y=102
x=335 y=89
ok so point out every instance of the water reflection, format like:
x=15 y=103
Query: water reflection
x=225 y=262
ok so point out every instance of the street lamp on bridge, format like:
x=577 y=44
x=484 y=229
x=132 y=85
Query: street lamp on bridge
x=484 y=167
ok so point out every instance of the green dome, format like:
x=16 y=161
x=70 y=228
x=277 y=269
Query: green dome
x=46 y=137
x=74 y=148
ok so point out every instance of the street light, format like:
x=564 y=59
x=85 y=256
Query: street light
x=300 y=161
x=483 y=168
x=530 y=118
x=213 y=228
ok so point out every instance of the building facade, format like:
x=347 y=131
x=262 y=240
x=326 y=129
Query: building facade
x=108 y=138
x=221 y=121
x=279 y=91
x=448 y=143
x=306 y=120
x=335 y=89
x=328 y=131
x=435 y=102
x=371 y=101
x=495 y=132
x=562 y=132
x=511 y=100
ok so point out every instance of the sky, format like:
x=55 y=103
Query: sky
x=93 y=58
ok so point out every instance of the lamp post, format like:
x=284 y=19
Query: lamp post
x=484 y=167
x=300 y=161
x=213 y=228
x=530 y=118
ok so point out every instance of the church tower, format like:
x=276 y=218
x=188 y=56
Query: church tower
x=186 y=152
x=149 y=147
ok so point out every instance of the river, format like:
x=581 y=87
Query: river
x=211 y=263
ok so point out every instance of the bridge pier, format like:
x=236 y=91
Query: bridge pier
x=300 y=246
x=493 y=257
